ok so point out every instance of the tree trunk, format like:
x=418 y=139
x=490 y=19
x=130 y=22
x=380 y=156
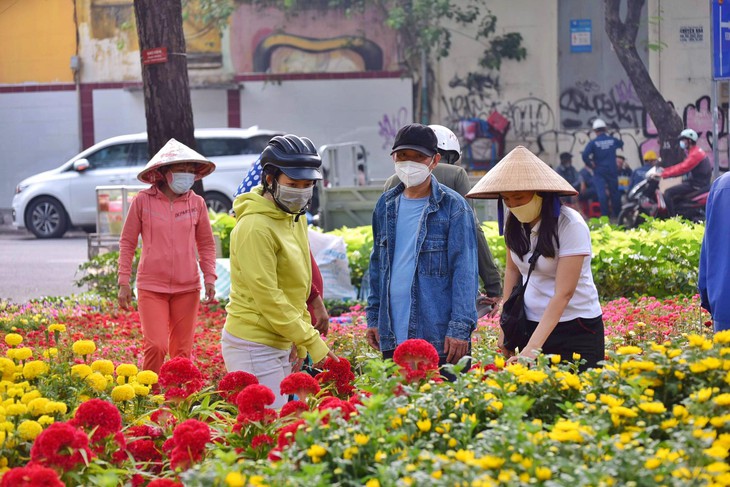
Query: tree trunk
x=623 y=37
x=168 y=110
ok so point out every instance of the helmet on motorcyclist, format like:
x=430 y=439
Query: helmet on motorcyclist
x=688 y=134
x=448 y=144
x=650 y=155
x=599 y=124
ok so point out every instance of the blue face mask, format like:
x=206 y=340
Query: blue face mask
x=180 y=182
x=683 y=144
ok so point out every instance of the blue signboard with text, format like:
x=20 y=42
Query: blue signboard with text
x=580 y=35
x=720 y=39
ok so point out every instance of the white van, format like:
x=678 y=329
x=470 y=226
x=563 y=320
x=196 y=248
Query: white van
x=49 y=203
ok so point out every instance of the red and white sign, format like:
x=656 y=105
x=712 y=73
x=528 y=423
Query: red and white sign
x=155 y=55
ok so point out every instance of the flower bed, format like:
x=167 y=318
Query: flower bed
x=76 y=408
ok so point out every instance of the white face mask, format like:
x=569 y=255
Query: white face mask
x=295 y=199
x=412 y=173
x=180 y=182
x=528 y=212
x=683 y=144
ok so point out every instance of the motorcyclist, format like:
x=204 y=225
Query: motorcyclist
x=696 y=169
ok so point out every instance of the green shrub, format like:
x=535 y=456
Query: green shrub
x=100 y=274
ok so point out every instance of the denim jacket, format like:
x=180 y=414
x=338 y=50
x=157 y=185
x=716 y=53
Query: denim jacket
x=445 y=283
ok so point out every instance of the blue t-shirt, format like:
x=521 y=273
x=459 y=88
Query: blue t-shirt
x=410 y=212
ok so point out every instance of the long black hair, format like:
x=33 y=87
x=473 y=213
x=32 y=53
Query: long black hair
x=517 y=234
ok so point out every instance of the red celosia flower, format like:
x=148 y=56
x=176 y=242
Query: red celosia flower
x=60 y=445
x=259 y=440
x=293 y=407
x=266 y=416
x=233 y=383
x=180 y=378
x=164 y=483
x=338 y=373
x=102 y=415
x=164 y=417
x=286 y=433
x=301 y=384
x=346 y=408
x=254 y=398
x=32 y=475
x=190 y=438
x=142 y=446
x=418 y=359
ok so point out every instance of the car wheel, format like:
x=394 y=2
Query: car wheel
x=217 y=202
x=46 y=218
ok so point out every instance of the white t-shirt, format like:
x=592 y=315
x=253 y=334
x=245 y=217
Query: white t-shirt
x=575 y=239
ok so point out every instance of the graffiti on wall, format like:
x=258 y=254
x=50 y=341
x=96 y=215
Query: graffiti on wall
x=389 y=124
x=619 y=107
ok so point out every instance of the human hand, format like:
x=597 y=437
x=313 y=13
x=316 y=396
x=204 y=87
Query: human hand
x=528 y=353
x=492 y=301
x=321 y=316
x=330 y=354
x=372 y=335
x=455 y=349
x=500 y=344
x=294 y=360
x=209 y=292
x=124 y=298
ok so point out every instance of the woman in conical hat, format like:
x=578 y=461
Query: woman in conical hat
x=174 y=225
x=560 y=300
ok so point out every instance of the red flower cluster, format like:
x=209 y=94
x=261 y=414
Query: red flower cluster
x=188 y=443
x=60 y=445
x=233 y=383
x=346 y=408
x=99 y=414
x=164 y=417
x=417 y=358
x=301 y=384
x=285 y=438
x=164 y=483
x=338 y=373
x=144 y=447
x=252 y=402
x=260 y=440
x=180 y=378
x=293 y=408
x=32 y=475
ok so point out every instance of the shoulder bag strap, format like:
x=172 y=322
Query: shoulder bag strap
x=533 y=261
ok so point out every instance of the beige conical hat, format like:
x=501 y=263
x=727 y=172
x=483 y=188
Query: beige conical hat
x=174 y=152
x=520 y=170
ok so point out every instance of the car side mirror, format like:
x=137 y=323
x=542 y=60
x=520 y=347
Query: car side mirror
x=81 y=165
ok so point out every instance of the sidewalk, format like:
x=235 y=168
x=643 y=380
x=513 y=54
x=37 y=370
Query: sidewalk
x=6 y=221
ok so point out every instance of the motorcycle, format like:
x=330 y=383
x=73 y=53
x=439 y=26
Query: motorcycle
x=646 y=199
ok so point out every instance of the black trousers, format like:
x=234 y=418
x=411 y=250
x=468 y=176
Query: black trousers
x=582 y=335
x=675 y=194
x=388 y=354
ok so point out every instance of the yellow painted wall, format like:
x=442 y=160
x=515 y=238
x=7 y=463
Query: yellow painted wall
x=37 y=40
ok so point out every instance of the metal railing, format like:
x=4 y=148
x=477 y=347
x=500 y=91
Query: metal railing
x=342 y=161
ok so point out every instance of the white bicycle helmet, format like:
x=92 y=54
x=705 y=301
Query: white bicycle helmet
x=448 y=144
x=688 y=134
x=599 y=124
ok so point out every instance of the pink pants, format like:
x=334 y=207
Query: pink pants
x=168 y=324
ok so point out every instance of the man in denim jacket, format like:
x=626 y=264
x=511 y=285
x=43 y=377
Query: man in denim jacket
x=423 y=268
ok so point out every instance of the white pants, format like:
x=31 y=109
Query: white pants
x=269 y=365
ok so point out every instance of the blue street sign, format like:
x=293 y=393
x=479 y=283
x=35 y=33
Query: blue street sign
x=720 y=39
x=580 y=35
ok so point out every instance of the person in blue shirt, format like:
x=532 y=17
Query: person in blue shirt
x=650 y=160
x=600 y=155
x=714 y=278
x=423 y=267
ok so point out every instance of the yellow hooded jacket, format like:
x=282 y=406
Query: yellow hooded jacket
x=271 y=276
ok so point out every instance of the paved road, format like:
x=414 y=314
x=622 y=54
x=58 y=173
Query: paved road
x=32 y=268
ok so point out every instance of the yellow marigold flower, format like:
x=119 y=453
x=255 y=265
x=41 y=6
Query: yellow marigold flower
x=13 y=339
x=623 y=411
x=699 y=341
x=702 y=395
x=372 y=483
x=37 y=406
x=59 y=327
x=569 y=381
x=611 y=401
x=628 y=350
x=23 y=353
x=490 y=462
x=349 y=452
x=2 y=437
x=7 y=426
x=638 y=365
x=103 y=366
x=45 y=420
x=361 y=439
x=7 y=368
x=316 y=452
x=127 y=370
x=81 y=370
x=591 y=397
x=83 y=347
x=532 y=377
x=437 y=474
x=669 y=423
x=380 y=456
x=652 y=463
x=555 y=359
x=28 y=430
x=716 y=451
x=29 y=396
x=140 y=390
x=147 y=378
x=396 y=422
x=679 y=374
x=722 y=400
x=543 y=473
x=56 y=407
x=722 y=337
x=235 y=479
x=658 y=348
x=566 y=431
x=97 y=381
x=576 y=356
x=123 y=393
x=424 y=425
x=34 y=368
x=51 y=352
x=654 y=407
x=16 y=409
x=675 y=352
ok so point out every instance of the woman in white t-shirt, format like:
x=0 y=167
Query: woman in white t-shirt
x=561 y=301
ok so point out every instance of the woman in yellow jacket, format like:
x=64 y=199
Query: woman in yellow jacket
x=268 y=330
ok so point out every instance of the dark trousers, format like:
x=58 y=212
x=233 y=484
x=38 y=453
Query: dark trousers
x=675 y=194
x=582 y=335
x=388 y=354
x=603 y=182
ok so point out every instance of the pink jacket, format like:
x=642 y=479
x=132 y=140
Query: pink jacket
x=171 y=232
